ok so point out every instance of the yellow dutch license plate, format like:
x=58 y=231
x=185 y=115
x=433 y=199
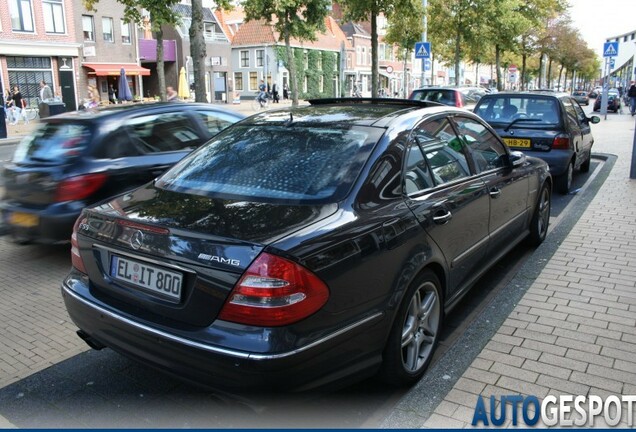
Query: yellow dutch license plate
x=515 y=142
x=26 y=220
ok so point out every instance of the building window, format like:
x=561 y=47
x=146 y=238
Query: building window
x=306 y=60
x=625 y=38
x=349 y=60
x=321 y=83
x=107 y=29
x=253 y=81
x=245 y=59
x=88 y=28
x=238 y=81
x=336 y=64
x=319 y=63
x=363 y=58
x=633 y=36
x=53 y=16
x=21 y=16
x=305 y=84
x=381 y=50
x=260 y=56
x=27 y=72
x=125 y=32
x=209 y=30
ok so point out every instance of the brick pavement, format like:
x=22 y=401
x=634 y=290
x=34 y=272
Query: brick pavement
x=574 y=330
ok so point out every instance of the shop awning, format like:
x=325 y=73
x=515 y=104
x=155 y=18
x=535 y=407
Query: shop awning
x=113 y=69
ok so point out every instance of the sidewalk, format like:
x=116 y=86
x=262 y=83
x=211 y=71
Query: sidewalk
x=573 y=331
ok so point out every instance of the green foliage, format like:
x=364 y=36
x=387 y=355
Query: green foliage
x=319 y=63
x=407 y=30
x=161 y=11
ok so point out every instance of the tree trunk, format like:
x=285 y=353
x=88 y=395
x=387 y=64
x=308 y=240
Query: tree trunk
x=477 y=74
x=522 y=84
x=498 y=66
x=540 y=70
x=374 y=54
x=291 y=65
x=458 y=41
x=559 y=80
x=161 y=73
x=197 y=51
x=548 y=79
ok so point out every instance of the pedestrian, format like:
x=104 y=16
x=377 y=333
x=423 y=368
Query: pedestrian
x=631 y=94
x=262 y=93
x=285 y=91
x=8 y=106
x=19 y=104
x=112 y=94
x=45 y=92
x=171 y=94
x=93 y=99
x=275 y=97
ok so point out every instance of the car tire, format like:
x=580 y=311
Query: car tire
x=415 y=332
x=563 y=182
x=541 y=217
x=585 y=166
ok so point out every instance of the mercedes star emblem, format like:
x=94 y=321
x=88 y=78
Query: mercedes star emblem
x=137 y=239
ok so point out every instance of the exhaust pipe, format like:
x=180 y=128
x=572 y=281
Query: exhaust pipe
x=90 y=341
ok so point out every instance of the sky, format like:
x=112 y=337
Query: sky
x=598 y=20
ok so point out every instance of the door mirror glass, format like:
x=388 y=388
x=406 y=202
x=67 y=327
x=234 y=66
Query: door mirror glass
x=594 y=119
x=517 y=158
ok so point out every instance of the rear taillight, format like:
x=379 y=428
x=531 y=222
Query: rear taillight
x=76 y=259
x=79 y=187
x=274 y=291
x=459 y=101
x=561 y=142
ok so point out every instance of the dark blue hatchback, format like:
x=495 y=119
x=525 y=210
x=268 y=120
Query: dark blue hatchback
x=550 y=126
x=80 y=158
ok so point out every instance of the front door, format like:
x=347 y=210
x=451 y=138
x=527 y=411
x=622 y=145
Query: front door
x=68 y=89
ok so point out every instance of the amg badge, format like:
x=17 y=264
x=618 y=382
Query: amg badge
x=220 y=260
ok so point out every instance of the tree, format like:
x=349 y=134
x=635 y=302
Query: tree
x=292 y=19
x=369 y=10
x=406 y=32
x=161 y=12
x=197 y=51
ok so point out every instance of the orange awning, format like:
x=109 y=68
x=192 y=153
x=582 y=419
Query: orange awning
x=113 y=69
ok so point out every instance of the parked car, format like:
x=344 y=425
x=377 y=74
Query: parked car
x=460 y=97
x=581 y=97
x=595 y=92
x=613 y=101
x=550 y=126
x=306 y=245
x=77 y=159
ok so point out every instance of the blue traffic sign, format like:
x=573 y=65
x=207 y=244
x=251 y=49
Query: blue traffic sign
x=426 y=65
x=610 y=49
x=612 y=62
x=423 y=50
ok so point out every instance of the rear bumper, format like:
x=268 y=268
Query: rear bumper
x=347 y=352
x=54 y=223
x=558 y=160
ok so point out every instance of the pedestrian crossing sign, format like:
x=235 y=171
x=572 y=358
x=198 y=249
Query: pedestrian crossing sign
x=610 y=49
x=423 y=50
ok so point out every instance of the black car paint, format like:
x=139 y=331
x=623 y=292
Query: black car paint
x=368 y=248
x=30 y=185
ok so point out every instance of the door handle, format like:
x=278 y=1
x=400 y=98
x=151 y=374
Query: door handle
x=441 y=219
x=494 y=192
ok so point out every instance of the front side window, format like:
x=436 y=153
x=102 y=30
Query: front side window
x=275 y=162
x=125 y=32
x=107 y=29
x=215 y=122
x=88 y=28
x=21 y=15
x=53 y=16
x=245 y=59
x=484 y=147
x=164 y=132
x=238 y=81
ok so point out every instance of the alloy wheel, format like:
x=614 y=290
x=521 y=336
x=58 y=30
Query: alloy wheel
x=420 y=328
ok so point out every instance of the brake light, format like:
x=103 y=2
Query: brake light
x=274 y=291
x=561 y=142
x=76 y=259
x=459 y=102
x=79 y=187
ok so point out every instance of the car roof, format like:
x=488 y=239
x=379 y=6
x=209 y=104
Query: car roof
x=378 y=112
x=126 y=110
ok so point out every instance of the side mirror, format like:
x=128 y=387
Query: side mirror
x=517 y=158
x=594 y=119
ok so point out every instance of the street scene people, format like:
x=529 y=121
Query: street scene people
x=45 y=91
x=631 y=94
x=19 y=105
x=171 y=94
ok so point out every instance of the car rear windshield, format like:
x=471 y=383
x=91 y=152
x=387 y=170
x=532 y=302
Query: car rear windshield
x=53 y=143
x=540 y=111
x=275 y=163
x=443 y=96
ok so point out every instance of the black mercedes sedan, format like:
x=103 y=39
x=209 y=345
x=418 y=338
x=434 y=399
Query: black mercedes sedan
x=305 y=245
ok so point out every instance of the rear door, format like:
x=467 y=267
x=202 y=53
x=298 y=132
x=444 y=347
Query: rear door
x=447 y=199
x=579 y=132
x=141 y=148
x=586 y=130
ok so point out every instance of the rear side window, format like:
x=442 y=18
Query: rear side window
x=289 y=163
x=164 y=132
x=540 y=111
x=53 y=143
x=215 y=122
x=443 y=96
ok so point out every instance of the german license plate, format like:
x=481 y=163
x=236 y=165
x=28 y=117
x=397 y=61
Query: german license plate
x=151 y=278
x=26 y=220
x=516 y=142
